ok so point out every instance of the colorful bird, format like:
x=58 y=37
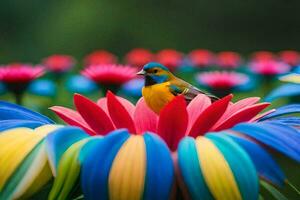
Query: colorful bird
x=161 y=86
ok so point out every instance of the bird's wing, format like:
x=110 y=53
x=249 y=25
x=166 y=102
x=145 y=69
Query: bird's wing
x=189 y=91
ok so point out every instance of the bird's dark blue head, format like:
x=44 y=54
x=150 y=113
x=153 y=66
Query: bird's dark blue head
x=155 y=73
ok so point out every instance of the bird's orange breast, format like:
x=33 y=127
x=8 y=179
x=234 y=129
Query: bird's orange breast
x=157 y=96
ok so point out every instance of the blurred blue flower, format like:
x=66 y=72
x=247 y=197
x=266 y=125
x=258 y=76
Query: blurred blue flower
x=43 y=87
x=80 y=84
x=133 y=87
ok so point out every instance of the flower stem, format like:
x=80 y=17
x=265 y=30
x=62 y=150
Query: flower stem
x=19 y=98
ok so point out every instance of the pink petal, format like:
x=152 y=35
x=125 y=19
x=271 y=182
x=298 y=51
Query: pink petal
x=242 y=115
x=210 y=116
x=102 y=102
x=196 y=107
x=173 y=121
x=94 y=116
x=119 y=114
x=72 y=118
x=233 y=108
x=145 y=119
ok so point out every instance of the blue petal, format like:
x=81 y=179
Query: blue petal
x=9 y=124
x=160 y=171
x=190 y=170
x=80 y=84
x=286 y=90
x=264 y=163
x=43 y=87
x=280 y=137
x=284 y=110
x=97 y=162
x=60 y=140
x=13 y=111
x=290 y=121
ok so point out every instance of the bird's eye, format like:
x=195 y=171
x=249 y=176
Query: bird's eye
x=155 y=71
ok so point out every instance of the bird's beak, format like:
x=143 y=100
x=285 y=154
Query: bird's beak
x=142 y=72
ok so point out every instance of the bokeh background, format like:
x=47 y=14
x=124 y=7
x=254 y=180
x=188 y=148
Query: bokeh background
x=33 y=29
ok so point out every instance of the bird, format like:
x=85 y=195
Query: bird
x=161 y=86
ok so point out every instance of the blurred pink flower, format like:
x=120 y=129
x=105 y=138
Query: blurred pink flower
x=100 y=57
x=169 y=58
x=290 y=57
x=222 y=79
x=269 y=67
x=59 y=63
x=228 y=59
x=110 y=76
x=262 y=56
x=20 y=73
x=139 y=57
x=201 y=57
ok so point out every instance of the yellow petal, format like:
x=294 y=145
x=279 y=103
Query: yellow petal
x=127 y=175
x=216 y=171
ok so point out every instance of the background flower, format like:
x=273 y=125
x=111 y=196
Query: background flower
x=222 y=83
x=138 y=57
x=17 y=78
x=228 y=60
x=59 y=63
x=201 y=58
x=109 y=77
x=100 y=57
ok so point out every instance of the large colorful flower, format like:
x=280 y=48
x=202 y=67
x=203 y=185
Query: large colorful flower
x=199 y=117
x=100 y=57
x=170 y=58
x=59 y=63
x=110 y=77
x=201 y=58
x=228 y=60
x=139 y=57
x=17 y=78
x=222 y=83
x=290 y=57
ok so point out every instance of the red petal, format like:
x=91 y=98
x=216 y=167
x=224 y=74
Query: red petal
x=196 y=107
x=233 y=108
x=210 y=116
x=119 y=114
x=145 y=119
x=93 y=115
x=243 y=115
x=72 y=118
x=173 y=121
x=102 y=102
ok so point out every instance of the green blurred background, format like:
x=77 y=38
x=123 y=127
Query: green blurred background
x=33 y=29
